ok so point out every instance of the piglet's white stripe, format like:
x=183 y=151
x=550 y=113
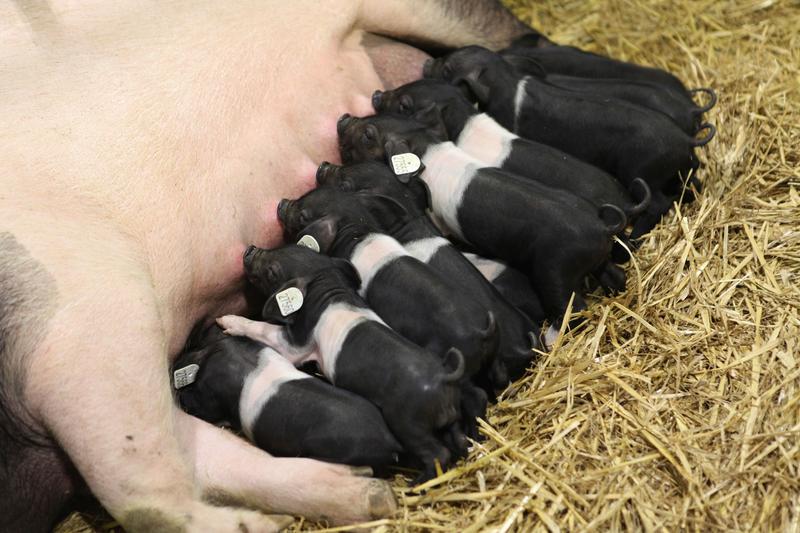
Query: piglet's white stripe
x=262 y=384
x=448 y=172
x=372 y=254
x=486 y=140
x=335 y=323
x=489 y=268
x=519 y=99
x=424 y=249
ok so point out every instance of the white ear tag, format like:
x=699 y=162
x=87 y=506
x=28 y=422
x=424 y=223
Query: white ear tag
x=289 y=301
x=185 y=376
x=309 y=242
x=407 y=163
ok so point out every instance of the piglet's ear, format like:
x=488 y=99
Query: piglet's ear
x=431 y=117
x=387 y=211
x=422 y=194
x=349 y=271
x=321 y=232
x=525 y=64
x=394 y=147
x=478 y=89
x=428 y=115
x=281 y=307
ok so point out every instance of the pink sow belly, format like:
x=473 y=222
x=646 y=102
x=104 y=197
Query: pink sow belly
x=334 y=85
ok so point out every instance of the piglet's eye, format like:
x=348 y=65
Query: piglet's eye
x=406 y=104
x=447 y=71
x=305 y=216
x=347 y=186
x=272 y=273
x=369 y=135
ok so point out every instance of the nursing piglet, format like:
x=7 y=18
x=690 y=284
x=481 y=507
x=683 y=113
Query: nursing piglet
x=406 y=220
x=555 y=237
x=435 y=102
x=685 y=113
x=627 y=141
x=413 y=299
x=284 y=411
x=314 y=314
x=510 y=282
x=572 y=61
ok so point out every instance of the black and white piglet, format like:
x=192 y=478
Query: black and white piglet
x=685 y=113
x=241 y=382
x=406 y=293
x=555 y=237
x=406 y=220
x=625 y=140
x=572 y=61
x=435 y=102
x=314 y=314
x=510 y=282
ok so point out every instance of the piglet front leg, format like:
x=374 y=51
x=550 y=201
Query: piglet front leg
x=269 y=334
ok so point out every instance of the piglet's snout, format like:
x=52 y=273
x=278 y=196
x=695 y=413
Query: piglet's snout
x=249 y=253
x=377 y=97
x=427 y=68
x=283 y=209
x=324 y=172
x=343 y=122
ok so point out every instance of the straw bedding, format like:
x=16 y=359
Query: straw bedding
x=677 y=406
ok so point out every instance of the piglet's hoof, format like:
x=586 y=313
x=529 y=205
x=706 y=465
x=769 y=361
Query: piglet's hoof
x=361 y=471
x=279 y=521
x=380 y=499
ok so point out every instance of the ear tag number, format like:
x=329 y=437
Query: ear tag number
x=185 y=376
x=407 y=163
x=309 y=242
x=289 y=301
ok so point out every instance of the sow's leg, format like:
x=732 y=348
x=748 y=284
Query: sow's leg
x=99 y=384
x=233 y=472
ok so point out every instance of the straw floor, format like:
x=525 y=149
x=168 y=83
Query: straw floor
x=678 y=405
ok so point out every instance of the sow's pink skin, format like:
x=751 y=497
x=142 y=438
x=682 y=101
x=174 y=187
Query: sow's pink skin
x=144 y=146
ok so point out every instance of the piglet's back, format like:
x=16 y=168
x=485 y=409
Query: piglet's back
x=310 y=418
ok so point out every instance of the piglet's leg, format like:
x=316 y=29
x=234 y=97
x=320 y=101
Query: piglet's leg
x=270 y=334
x=233 y=472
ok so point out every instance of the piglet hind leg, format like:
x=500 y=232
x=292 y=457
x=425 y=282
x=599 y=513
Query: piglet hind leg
x=556 y=288
x=474 y=401
x=427 y=449
x=231 y=471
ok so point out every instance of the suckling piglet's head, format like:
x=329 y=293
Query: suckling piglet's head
x=293 y=268
x=370 y=179
x=417 y=95
x=474 y=69
x=331 y=216
x=453 y=105
x=379 y=137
